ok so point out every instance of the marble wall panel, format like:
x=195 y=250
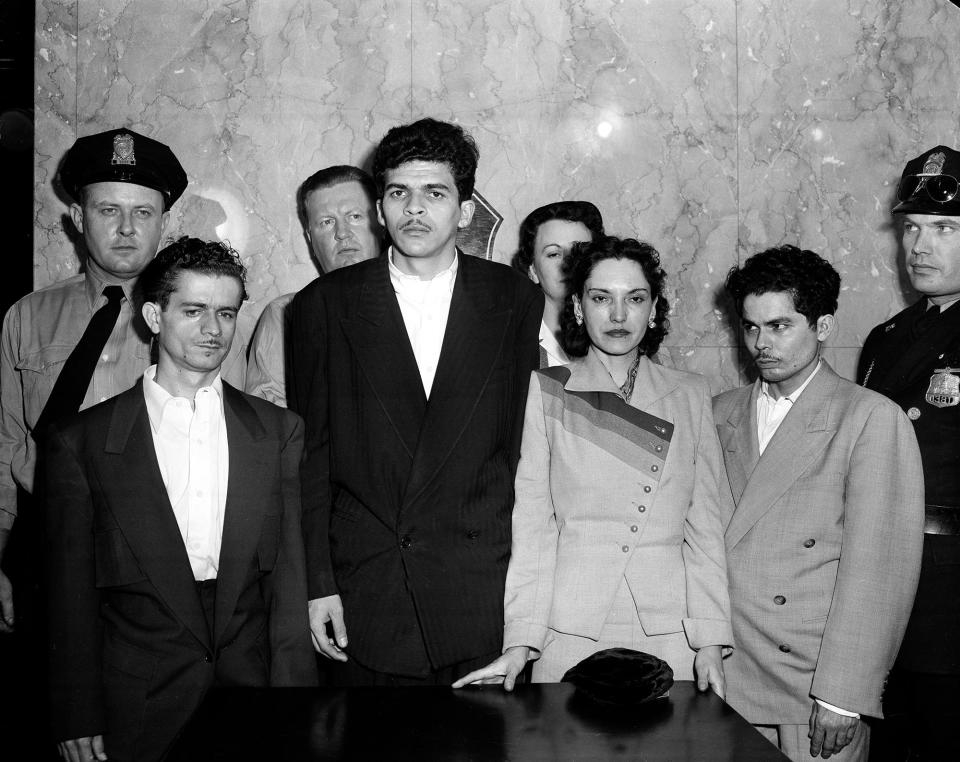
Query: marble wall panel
x=833 y=99
x=55 y=116
x=711 y=128
x=630 y=105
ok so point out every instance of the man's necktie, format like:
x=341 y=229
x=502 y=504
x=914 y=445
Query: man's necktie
x=925 y=322
x=71 y=385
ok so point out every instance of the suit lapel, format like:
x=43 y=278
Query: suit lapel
x=738 y=437
x=649 y=387
x=797 y=443
x=379 y=340
x=248 y=495
x=144 y=513
x=472 y=343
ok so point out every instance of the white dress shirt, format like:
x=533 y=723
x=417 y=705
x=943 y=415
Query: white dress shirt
x=191 y=446
x=425 y=306
x=770 y=414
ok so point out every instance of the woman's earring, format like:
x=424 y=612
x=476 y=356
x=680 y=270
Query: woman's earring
x=578 y=316
x=651 y=323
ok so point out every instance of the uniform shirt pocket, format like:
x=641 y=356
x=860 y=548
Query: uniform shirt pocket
x=38 y=374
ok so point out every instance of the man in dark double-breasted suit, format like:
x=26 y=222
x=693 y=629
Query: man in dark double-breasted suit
x=411 y=372
x=174 y=548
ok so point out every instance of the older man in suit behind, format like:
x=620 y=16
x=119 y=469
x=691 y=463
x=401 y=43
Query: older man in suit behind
x=823 y=547
x=174 y=555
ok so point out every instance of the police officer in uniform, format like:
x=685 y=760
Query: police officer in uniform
x=914 y=358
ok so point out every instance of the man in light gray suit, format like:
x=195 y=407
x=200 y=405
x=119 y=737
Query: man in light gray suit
x=824 y=543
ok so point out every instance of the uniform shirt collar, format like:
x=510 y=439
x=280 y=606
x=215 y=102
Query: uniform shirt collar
x=942 y=307
x=94 y=285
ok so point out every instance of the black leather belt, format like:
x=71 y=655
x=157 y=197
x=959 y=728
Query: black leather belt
x=942 y=519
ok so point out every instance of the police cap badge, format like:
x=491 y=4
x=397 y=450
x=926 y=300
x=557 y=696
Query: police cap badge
x=930 y=184
x=123 y=156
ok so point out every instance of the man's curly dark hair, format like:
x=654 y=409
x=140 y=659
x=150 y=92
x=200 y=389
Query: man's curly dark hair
x=569 y=211
x=583 y=258
x=805 y=275
x=159 y=279
x=429 y=140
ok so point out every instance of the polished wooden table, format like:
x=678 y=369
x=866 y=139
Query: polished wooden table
x=535 y=722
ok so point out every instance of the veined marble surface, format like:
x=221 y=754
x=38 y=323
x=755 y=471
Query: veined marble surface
x=711 y=128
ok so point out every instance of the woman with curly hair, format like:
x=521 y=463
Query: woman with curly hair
x=620 y=491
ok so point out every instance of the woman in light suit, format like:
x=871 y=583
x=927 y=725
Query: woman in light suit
x=620 y=491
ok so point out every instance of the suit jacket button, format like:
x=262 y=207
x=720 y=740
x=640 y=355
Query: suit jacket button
x=405 y=541
x=654 y=468
x=641 y=508
x=647 y=488
x=785 y=648
x=625 y=548
x=473 y=534
x=809 y=543
x=207 y=658
x=779 y=600
x=634 y=528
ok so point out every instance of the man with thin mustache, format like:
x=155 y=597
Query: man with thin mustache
x=823 y=546
x=411 y=372
x=174 y=551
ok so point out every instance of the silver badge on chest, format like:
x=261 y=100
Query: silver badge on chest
x=944 y=389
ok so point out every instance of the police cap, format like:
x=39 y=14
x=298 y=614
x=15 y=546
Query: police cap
x=930 y=184
x=123 y=156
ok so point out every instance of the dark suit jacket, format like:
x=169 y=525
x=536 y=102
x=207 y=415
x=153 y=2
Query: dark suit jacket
x=899 y=361
x=407 y=503
x=131 y=653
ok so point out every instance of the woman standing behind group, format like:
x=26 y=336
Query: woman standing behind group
x=620 y=491
x=545 y=239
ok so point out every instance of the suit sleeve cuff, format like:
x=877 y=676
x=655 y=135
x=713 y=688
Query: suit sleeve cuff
x=524 y=634
x=708 y=632
x=837 y=709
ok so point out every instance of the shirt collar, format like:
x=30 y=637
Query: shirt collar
x=941 y=308
x=791 y=398
x=448 y=272
x=94 y=286
x=158 y=398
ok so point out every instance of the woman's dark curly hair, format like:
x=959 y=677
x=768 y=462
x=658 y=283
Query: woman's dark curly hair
x=582 y=260
x=569 y=211
x=429 y=140
x=805 y=275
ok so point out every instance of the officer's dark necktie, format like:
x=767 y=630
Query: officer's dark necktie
x=926 y=321
x=71 y=385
